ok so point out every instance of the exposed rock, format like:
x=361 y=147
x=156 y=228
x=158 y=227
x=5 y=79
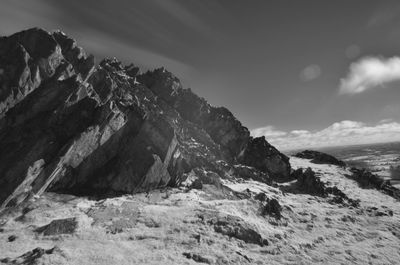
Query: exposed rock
x=375 y=211
x=26 y=58
x=12 y=238
x=367 y=180
x=309 y=183
x=272 y=208
x=297 y=173
x=261 y=197
x=235 y=227
x=320 y=158
x=197 y=257
x=57 y=227
x=218 y=122
x=67 y=126
x=266 y=158
x=30 y=257
x=197 y=184
x=246 y=172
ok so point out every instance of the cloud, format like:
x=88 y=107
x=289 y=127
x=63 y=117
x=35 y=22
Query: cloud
x=339 y=133
x=269 y=132
x=370 y=72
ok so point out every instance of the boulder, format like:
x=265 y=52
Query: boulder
x=235 y=227
x=272 y=208
x=58 y=227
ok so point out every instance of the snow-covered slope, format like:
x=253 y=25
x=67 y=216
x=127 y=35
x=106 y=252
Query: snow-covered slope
x=214 y=225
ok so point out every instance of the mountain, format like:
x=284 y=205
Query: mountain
x=69 y=125
x=104 y=164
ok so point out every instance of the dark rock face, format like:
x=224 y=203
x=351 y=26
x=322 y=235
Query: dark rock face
x=67 y=125
x=219 y=123
x=320 y=158
x=266 y=158
x=309 y=183
x=273 y=208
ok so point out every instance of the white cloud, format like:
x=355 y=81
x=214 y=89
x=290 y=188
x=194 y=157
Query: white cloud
x=269 y=132
x=339 y=133
x=370 y=72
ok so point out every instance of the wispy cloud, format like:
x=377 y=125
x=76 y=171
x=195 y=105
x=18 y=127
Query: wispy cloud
x=370 y=72
x=179 y=12
x=19 y=15
x=339 y=133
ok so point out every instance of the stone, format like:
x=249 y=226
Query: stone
x=320 y=158
x=235 y=227
x=11 y=238
x=261 y=197
x=309 y=183
x=58 y=227
x=197 y=257
x=272 y=208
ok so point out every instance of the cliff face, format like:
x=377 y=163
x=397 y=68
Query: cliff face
x=69 y=125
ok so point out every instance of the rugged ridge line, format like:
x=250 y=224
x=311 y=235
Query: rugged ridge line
x=68 y=125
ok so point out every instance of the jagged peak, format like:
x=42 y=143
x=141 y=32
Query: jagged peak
x=112 y=128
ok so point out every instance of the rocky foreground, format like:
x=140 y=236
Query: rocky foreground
x=239 y=222
x=103 y=164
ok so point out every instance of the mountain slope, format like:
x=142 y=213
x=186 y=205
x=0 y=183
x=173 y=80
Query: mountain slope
x=69 y=125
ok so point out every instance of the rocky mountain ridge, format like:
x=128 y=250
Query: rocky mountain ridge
x=69 y=125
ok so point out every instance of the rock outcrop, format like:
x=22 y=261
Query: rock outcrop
x=68 y=125
x=266 y=158
x=320 y=158
x=368 y=180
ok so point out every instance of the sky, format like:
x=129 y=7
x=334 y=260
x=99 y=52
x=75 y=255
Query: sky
x=305 y=73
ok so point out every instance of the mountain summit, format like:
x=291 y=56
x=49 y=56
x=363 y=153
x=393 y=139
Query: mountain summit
x=71 y=126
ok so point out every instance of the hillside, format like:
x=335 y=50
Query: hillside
x=104 y=164
x=209 y=225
